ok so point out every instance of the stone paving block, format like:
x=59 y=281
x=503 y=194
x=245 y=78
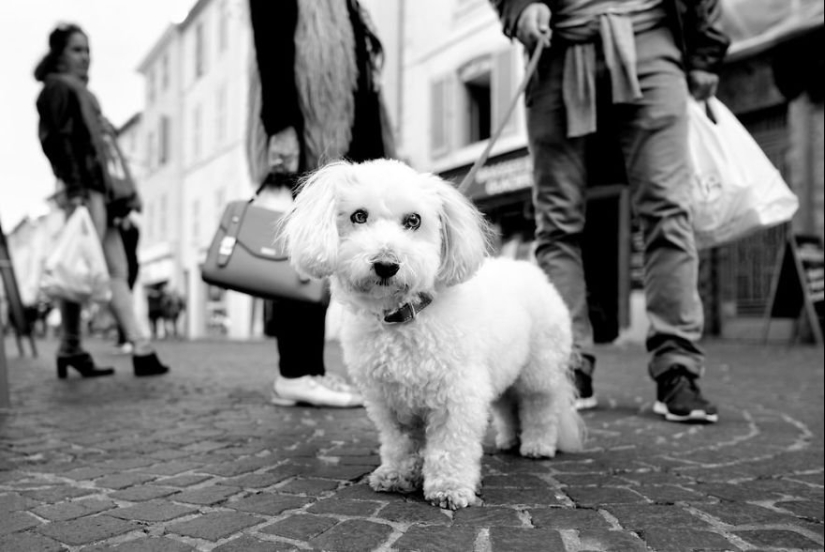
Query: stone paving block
x=806 y=509
x=16 y=521
x=214 y=526
x=87 y=529
x=70 y=510
x=344 y=507
x=487 y=517
x=589 y=479
x=229 y=469
x=610 y=541
x=28 y=542
x=666 y=539
x=256 y=480
x=13 y=502
x=593 y=497
x=123 y=464
x=57 y=493
x=735 y=513
x=86 y=473
x=735 y=493
x=207 y=496
x=778 y=538
x=300 y=526
x=512 y=539
x=145 y=544
x=122 y=480
x=669 y=494
x=437 y=539
x=169 y=468
x=413 y=512
x=353 y=536
x=524 y=497
x=567 y=518
x=181 y=480
x=251 y=544
x=142 y=493
x=339 y=472
x=644 y=516
x=515 y=481
x=270 y=504
x=153 y=511
x=311 y=487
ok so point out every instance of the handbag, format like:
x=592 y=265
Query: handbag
x=736 y=190
x=248 y=255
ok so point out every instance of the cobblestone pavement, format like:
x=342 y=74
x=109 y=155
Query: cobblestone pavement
x=198 y=460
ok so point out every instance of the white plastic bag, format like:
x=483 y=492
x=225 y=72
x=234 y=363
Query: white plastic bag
x=736 y=189
x=76 y=268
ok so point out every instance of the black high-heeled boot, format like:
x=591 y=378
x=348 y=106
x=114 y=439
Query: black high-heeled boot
x=83 y=363
x=148 y=365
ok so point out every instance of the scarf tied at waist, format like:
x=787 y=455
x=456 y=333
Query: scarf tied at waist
x=616 y=32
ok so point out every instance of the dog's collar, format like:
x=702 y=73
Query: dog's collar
x=408 y=311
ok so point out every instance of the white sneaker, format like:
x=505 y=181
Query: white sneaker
x=329 y=390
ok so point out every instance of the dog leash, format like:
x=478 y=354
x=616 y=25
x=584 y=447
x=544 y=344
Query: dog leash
x=528 y=73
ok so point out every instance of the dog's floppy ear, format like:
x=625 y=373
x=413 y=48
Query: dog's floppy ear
x=310 y=227
x=465 y=235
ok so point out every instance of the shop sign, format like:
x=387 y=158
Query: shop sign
x=503 y=177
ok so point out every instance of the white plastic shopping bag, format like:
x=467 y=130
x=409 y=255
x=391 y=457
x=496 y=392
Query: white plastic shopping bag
x=736 y=189
x=76 y=268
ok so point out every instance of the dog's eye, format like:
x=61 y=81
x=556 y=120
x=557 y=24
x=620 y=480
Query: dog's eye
x=412 y=221
x=359 y=217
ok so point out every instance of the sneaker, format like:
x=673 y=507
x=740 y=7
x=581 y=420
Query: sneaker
x=585 y=398
x=679 y=399
x=328 y=390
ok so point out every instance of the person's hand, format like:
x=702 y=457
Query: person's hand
x=534 y=25
x=73 y=203
x=284 y=152
x=702 y=84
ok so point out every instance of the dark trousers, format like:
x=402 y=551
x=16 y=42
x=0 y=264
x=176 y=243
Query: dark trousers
x=300 y=329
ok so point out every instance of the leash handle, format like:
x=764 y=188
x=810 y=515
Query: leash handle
x=528 y=73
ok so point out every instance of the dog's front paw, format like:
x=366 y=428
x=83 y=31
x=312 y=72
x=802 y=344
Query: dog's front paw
x=537 y=450
x=504 y=443
x=452 y=498
x=389 y=480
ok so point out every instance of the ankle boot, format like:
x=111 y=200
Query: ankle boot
x=148 y=365
x=83 y=363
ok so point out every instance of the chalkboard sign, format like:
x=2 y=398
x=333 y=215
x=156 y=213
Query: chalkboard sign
x=798 y=290
x=16 y=312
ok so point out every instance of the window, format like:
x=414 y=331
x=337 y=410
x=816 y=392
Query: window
x=164 y=71
x=223 y=27
x=150 y=221
x=196 y=133
x=475 y=78
x=164 y=145
x=200 y=51
x=196 y=217
x=220 y=114
x=150 y=85
x=163 y=216
x=150 y=151
x=440 y=115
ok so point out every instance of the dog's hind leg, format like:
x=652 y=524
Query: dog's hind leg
x=505 y=421
x=539 y=425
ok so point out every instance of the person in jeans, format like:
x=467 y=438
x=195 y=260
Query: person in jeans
x=72 y=133
x=624 y=69
x=314 y=98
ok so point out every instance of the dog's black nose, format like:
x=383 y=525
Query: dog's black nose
x=385 y=270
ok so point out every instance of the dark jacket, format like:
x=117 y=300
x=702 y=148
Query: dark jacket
x=67 y=141
x=696 y=24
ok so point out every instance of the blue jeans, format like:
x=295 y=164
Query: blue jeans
x=652 y=136
x=121 y=303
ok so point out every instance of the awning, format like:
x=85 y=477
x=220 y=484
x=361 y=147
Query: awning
x=756 y=25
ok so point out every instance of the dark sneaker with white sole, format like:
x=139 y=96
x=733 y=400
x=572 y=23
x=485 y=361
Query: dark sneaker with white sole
x=585 y=398
x=679 y=399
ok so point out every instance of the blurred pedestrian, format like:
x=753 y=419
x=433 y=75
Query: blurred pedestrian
x=155 y=297
x=73 y=133
x=314 y=98
x=623 y=69
x=130 y=235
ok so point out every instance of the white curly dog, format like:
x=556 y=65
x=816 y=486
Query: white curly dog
x=435 y=334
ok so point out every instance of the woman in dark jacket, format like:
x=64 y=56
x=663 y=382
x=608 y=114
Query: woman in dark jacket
x=313 y=98
x=73 y=134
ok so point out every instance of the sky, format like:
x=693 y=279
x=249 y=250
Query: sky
x=121 y=33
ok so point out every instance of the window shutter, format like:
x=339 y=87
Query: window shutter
x=504 y=87
x=440 y=116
